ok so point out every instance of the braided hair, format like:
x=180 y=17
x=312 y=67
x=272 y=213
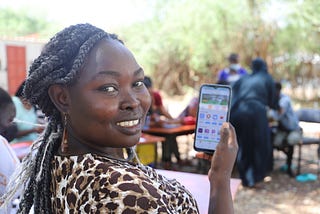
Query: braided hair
x=59 y=63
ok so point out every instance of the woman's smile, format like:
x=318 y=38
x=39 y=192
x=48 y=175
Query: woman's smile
x=129 y=123
x=130 y=127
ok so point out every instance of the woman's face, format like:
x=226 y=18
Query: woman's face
x=109 y=102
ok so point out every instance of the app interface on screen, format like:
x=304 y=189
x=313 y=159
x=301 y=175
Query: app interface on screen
x=213 y=110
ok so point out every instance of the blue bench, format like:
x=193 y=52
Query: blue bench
x=309 y=116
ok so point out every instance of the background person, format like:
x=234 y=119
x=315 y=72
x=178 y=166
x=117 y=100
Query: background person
x=91 y=88
x=287 y=132
x=8 y=159
x=251 y=95
x=26 y=118
x=157 y=106
x=233 y=72
x=156 y=113
x=189 y=113
x=288 y=123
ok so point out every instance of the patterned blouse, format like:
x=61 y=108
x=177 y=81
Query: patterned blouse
x=92 y=183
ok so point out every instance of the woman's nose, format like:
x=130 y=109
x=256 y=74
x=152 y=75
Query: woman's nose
x=129 y=101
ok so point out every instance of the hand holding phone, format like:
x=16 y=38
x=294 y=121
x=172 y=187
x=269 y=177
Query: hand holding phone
x=213 y=110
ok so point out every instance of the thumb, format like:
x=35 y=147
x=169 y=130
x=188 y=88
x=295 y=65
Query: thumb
x=224 y=133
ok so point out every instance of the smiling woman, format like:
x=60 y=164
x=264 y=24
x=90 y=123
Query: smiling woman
x=91 y=88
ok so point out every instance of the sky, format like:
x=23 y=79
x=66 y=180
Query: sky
x=102 y=13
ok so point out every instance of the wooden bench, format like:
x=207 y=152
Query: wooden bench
x=309 y=117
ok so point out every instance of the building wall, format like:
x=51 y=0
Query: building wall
x=33 y=50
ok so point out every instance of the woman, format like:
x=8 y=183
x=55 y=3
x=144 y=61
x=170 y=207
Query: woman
x=26 y=118
x=91 y=88
x=8 y=159
x=252 y=94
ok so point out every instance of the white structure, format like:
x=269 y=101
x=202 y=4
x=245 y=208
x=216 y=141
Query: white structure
x=16 y=56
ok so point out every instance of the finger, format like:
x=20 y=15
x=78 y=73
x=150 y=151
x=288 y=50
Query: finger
x=224 y=133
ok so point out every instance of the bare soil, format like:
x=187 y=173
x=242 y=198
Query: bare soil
x=281 y=193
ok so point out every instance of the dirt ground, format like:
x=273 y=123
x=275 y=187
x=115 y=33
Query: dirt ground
x=281 y=193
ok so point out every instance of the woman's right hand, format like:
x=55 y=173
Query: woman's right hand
x=220 y=171
x=224 y=157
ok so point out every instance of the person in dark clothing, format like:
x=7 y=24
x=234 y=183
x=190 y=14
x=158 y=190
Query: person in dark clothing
x=252 y=94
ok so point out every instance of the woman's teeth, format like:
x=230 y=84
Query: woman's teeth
x=128 y=123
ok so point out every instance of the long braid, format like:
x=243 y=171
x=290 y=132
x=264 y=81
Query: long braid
x=59 y=63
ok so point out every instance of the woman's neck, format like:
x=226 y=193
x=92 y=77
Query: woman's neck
x=77 y=146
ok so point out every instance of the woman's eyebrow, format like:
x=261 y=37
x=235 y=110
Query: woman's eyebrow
x=138 y=71
x=114 y=73
x=107 y=73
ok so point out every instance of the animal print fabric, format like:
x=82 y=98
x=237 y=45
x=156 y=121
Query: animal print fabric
x=95 y=184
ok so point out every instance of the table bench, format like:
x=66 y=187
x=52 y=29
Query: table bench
x=169 y=132
x=310 y=122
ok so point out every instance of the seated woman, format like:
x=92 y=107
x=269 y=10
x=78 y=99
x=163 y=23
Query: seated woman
x=158 y=116
x=189 y=114
x=8 y=159
x=26 y=119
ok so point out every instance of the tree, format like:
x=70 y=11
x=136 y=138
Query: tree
x=20 y=23
x=186 y=41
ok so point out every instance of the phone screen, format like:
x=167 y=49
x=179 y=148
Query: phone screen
x=213 y=111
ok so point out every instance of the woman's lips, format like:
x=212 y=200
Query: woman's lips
x=128 y=123
x=130 y=127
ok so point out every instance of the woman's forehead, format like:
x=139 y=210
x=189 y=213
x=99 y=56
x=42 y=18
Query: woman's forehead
x=110 y=55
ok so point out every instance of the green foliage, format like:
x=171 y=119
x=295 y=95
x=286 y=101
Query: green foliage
x=194 y=37
x=199 y=34
x=186 y=42
x=22 y=23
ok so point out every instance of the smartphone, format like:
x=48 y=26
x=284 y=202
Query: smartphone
x=213 y=110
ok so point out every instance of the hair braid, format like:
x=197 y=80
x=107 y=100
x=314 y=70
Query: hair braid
x=60 y=62
x=33 y=187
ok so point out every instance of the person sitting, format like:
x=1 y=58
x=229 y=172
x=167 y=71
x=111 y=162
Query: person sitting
x=26 y=119
x=8 y=159
x=157 y=106
x=91 y=88
x=159 y=116
x=288 y=132
x=189 y=113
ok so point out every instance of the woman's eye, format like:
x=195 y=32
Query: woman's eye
x=108 y=89
x=139 y=84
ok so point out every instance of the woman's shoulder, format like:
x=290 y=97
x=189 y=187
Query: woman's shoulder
x=16 y=100
x=101 y=166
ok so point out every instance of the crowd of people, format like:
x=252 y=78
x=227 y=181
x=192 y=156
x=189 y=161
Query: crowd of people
x=96 y=99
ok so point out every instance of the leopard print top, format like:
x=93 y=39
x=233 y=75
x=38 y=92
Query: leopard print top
x=92 y=183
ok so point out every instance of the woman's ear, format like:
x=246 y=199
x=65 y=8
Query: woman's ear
x=60 y=97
